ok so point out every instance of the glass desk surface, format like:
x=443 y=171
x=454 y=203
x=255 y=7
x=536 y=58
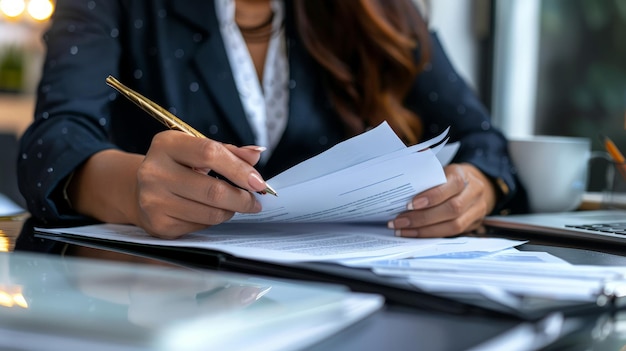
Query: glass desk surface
x=66 y=303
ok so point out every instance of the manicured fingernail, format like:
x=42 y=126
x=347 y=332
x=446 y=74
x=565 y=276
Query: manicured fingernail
x=398 y=223
x=255 y=148
x=256 y=182
x=417 y=204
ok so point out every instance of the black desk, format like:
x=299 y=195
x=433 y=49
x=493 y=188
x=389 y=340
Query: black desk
x=399 y=327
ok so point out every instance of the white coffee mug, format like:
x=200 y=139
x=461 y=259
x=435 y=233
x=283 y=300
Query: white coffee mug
x=553 y=169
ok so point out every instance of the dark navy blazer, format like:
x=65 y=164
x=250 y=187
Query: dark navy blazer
x=171 y=51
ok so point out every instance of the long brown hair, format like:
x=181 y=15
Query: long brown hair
x=367 y=49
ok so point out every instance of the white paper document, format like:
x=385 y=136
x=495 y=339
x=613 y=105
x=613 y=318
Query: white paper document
x=448 y=250
x=507 y=277
x=368 y=178
x=290 y=242
x=277 y=242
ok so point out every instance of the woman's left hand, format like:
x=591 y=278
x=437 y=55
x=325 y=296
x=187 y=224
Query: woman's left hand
x=453 y=208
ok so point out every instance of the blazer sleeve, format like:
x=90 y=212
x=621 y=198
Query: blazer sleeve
x=71 y=120
x=442 y=99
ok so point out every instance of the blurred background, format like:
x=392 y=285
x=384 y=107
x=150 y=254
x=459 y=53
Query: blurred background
x=549 y=67
x=22 y=23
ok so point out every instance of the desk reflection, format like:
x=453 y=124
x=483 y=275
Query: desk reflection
x=156 y=298
x=149 y=293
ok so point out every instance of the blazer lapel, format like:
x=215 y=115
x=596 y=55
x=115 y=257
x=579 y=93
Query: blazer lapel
x=212 y=64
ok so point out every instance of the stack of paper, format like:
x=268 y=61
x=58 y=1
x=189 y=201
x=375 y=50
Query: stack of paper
x=368 y=178
x=508 y=277
x=284 y=243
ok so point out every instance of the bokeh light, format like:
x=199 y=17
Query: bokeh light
x=39 y=10
x=12 y=8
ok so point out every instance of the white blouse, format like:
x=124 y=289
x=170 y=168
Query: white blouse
x=265 y=106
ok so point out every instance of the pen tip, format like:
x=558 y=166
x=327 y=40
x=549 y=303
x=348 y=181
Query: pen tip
x=269 y=190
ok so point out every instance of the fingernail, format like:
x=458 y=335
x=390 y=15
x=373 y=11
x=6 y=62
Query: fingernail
x=397 y=232
x=255 y=148
x=256 y=182
x=398 y=223
x=202 y=170
x=417 y=204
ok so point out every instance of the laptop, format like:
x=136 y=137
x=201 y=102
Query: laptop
x=605 y=226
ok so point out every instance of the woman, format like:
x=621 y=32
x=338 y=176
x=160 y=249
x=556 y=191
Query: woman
x=287 y=78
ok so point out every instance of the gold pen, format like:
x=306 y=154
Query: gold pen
x=162 y=115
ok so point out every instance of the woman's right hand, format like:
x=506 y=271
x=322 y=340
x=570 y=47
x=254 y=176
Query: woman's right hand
x=163 y=192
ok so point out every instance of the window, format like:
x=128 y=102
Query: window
x=581 y=88
x=560 y=69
